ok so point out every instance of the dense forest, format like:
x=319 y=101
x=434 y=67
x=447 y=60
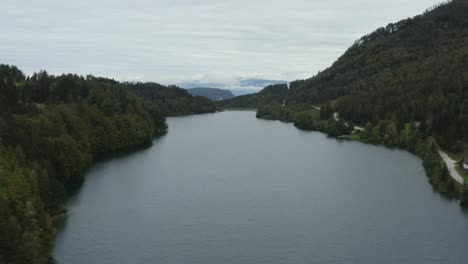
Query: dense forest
x=212 y=93
x=52 y=128
x=171 y=100
x=415 y=70
x=404 y=85
x=272 y=93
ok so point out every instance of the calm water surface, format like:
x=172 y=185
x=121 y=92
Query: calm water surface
x=228 y=188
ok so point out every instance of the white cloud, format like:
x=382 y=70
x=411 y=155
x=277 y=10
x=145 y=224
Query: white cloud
x=177 y=41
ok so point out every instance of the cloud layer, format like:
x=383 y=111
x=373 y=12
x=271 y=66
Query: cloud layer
x=179 y=41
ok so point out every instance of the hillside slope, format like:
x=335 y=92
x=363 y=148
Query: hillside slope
x=171 y=100
x=212 y=93
x=51 y=130
x=407 y=84
x=415 y=70
x=275 y=93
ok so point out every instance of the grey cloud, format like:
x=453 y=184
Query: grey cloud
x=180 y=41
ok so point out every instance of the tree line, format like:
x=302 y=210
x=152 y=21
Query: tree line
x=51 y=130
x=414 y=70
x=406 y=83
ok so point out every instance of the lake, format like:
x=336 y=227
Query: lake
x=229 y=188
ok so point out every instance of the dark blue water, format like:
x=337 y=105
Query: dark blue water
x=228 y=188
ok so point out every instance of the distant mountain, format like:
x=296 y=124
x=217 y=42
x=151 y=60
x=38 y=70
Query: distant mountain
x=239 y=92
x=198 y=83
x=240 y=86
x=260 y=83
x=212 y=93
x=251 y=86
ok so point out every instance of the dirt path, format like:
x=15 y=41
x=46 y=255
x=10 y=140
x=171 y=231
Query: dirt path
x=451 y=167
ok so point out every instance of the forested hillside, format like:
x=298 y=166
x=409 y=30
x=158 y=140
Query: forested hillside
x=406 y=85
x=51 y=129
x=212 y=93
x=272 y=93
x=415 y=70
x=171 y=100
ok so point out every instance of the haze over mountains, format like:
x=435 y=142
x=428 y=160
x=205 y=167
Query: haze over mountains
x=212 y=93
x=237 y=86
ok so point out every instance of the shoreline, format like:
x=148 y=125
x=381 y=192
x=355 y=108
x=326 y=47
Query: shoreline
x=435 y=167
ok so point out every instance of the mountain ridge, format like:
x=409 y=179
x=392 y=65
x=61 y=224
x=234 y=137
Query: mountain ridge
x=414 y=70
x=212 y=93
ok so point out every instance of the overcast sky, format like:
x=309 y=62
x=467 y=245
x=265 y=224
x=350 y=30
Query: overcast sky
x=174 y=41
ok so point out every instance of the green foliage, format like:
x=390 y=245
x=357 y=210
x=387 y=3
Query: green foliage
x=464 y=196
x=171 y=100
x=415 y=70
x=275 y=111
x=331 y=127
x=406 y=81
x=271 y=94
x=353 y=137
x=52 y=129
x=26 y=230
x=306 y=119
x=426 y=147
x=326 y=112
x=212 y=93
x=248 y=101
